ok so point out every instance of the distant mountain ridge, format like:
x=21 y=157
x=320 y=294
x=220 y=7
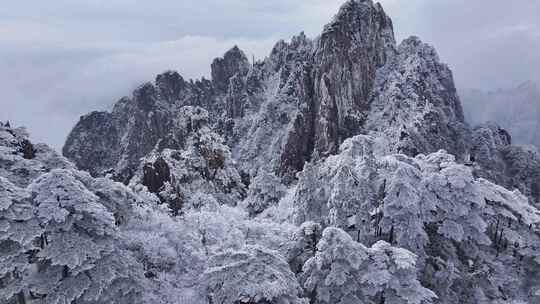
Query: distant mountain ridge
x=516 y=109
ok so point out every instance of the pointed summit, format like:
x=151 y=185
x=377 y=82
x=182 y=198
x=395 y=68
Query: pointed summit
x=359 y=15
x=233 y=62
x=358 y=41
x=170 y=84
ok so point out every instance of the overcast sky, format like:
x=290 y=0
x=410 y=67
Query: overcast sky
x=60 y=59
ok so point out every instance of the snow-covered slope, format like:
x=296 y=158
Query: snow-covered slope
x=415 y=104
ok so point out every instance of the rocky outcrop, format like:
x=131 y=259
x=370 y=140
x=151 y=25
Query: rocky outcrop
x=156 y=174
x=351 y=48
x=27 y=149
x=415 y=105
x=297 y=105
x=275 y=132
x=114 y=142
x=199 y=169
x=513 y=166
x=93 y=144
x=234 y=62
x=316 y=92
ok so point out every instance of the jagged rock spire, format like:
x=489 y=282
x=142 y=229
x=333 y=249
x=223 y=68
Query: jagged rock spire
x=233 y=62
x=170 y=85
x=351 y=49
x=297 y=105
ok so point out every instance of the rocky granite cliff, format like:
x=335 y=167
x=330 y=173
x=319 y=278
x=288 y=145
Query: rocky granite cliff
x=298 y=104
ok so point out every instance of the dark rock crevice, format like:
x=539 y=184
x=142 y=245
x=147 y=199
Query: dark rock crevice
x=155 y=175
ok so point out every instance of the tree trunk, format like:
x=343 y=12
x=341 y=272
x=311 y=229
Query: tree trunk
x=21 y=298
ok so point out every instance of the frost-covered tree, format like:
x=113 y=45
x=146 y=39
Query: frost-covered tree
x=508 y=268
x=19 y=238
x=254 y=275
x=344 y=271
x=80 y=258
x=309 y=197
x=304 y=245
x=458 y=225
x=199 y=165
x=59 y=230
x=175 y=251
x=171 y=254
x=339 y=192
x=431 y=192
x=60 y=245
x=264 y=191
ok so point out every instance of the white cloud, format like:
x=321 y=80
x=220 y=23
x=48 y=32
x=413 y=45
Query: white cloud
x=48 y=88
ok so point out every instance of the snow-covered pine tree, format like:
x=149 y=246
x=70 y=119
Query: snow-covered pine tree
x=264 y=191
x=80 y=257
x=20 y=238
x=339 y=192
x=304 y=245
x=431 y=192
x=254 y=275
x=344 y=271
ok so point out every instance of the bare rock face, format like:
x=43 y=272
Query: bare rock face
x=350 y=50
x=171 y=86
x=27 y=149
x=234 y=62
x=156 y=174
x=93 y=144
